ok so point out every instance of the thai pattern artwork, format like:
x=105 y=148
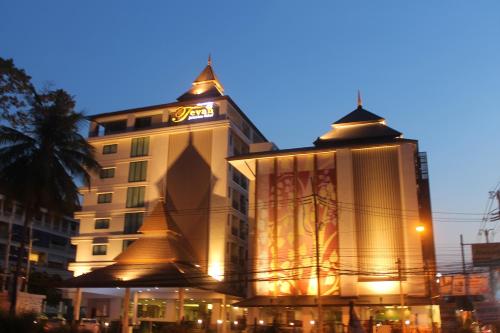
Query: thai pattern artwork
x=286 y=254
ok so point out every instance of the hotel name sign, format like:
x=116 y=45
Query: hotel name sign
x=193 y=112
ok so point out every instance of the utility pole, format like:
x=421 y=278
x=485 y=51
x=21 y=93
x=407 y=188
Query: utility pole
x=401 y=295
x=318 y=267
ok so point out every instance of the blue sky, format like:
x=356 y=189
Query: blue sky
x=431 y=68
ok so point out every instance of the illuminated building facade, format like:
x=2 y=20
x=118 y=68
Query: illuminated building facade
x=166 y=196
x=356 y=197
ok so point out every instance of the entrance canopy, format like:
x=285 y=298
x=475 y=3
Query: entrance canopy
x=174 y=275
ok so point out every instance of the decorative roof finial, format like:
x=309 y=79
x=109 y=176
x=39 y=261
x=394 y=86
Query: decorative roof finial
x=360 y=102
x=209 y=59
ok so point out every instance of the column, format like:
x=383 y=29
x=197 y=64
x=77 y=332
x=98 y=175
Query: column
x=134 y=308
x=224 y=315
x=181 y=305
x=126 y=301
x=77 y=304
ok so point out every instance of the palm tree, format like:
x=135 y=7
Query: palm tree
x=40 y=163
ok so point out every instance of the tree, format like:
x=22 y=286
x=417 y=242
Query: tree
x=41 y=158
x=15 y=90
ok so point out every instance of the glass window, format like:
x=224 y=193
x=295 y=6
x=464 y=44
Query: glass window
x=107 y=173
x=127 y=243
x=137 y=171
x=101 y=224
x=133 y=222
x=140 y=147
x=114 y=127
x=99 y=250
x=104 y=197
x=135 y=196
x=110 y=149
x=142 y=122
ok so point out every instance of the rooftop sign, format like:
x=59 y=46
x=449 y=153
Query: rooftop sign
x=193 y=112
x=486 y=254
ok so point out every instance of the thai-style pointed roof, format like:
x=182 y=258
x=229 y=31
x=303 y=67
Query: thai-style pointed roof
x=162 y=242
x=206 y=84
x=359 y=125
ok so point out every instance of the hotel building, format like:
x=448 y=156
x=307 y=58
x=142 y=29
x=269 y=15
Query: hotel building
x=347 y=208
x=165 y=223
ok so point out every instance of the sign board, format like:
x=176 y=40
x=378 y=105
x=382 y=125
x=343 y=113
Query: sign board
x=457 y=285
x=199 y=111
x=486 y=254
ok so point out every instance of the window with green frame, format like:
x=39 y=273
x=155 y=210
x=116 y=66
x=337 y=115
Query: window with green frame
x=137 y=171
x=99 y=250
x=109 y=149
x=104 y=198
x=139 y=147
x=107 y=173
x=101 y=224
x=135 y=196
x=132 y=222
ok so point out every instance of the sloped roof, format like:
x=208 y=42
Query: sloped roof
x=359 y=125
x=146 y=275
x=206 y=84
x=359 y=115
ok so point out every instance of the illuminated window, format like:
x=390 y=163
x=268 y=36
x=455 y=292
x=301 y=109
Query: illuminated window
x=101 y=224
x=107 y=173
x=133 y=222
x=135 y=196
x=104 y=198
x=109 y=149
x=99 y=250
x=140 y=147
x=137 y=171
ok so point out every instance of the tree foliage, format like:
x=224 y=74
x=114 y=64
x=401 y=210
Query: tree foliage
x=42 y=152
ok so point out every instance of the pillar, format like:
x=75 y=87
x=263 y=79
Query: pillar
x=134 y=308
x=126 y=301
x=181 y=305
x=224 y=315
x=170 y=313
x=77 y=305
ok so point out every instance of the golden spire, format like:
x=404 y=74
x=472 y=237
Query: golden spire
x=209 y=59
x=360 y=102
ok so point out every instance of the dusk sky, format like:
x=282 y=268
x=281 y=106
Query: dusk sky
x=431 y=68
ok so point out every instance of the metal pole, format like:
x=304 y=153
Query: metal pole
x=28 y=264
x=318 y=268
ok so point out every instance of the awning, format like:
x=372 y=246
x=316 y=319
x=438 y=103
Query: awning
x=173 y=275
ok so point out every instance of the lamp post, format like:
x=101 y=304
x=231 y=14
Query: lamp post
x=420 y=230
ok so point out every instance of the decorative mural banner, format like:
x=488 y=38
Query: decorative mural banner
x=285 y=242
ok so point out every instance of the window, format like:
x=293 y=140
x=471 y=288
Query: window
x=109 y=149
x=114 y=127
x=127 y=243
x=137 y=171
x=104 y=198
x=99 y=250
x=142 y=122
x=107 y=173
x=133 y=222
x=101 y=224
x=140 y=147
x=135 y=196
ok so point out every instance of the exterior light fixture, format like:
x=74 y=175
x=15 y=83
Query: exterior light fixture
x=292 y=323
x=235 y=323
x=407 y=322
x=420 y=229
x=261 y=322
x=312 y=322
x=219 y=321
x=200 y=321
